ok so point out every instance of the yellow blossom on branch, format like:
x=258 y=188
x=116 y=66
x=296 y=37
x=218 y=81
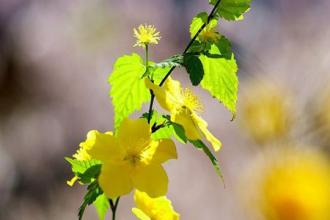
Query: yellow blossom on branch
x=183 y=106
x=131 y=159
x=82 y=155
x=209 y=34
x=148 y=208
x=146 y=34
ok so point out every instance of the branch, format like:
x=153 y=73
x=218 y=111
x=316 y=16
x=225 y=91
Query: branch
x=184 y=52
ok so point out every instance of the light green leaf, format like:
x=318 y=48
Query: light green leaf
x=201 y=146
x=159 y=73
x=165 y=132
x=86 y=170
x=232 y=10
x=220 y=78
x=198 y=21
x=81 y=166
x=102 y=206
x=128 y=90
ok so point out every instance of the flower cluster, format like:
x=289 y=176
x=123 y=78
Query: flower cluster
x=115 y=163
x=131 y=158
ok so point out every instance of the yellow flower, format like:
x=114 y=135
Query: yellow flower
x=290 y=184
x=153 y=208
x=183 y=106
x=209 y=34
x=131 y=159
x=321 y=118
x=265 y=112
x=82 y=155
x=146 y=34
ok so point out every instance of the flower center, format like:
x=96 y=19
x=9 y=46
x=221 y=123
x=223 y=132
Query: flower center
x=209 y=34
x=133 y=159
x=191 y=101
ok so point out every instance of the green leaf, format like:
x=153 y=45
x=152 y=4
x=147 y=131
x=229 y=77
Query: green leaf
x=220 y=78
x=197 y=47
x=128 y=90
x=194 y=68
x=179 y=133
x=102 y=206
x=165 y=132
x=232 y=10
x=168 y=130
x=197 y=22
x=90 y=174
x=201 y=146
x=86 y=170
x=93 y=191
x=224 y=47
x=81 y=166
x=159 y=73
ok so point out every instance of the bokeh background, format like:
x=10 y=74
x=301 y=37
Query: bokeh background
x=55 y=57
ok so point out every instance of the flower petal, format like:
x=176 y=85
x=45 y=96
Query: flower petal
x=134 y=133
x=161 y=95
x=115 y=180
x=166 y=150
x=142 y=200
x=169 y=96
x=151 y=179
x=140 y=214
x=202 y=125
x=72 y=181
x=185 y=119
x=102 y=146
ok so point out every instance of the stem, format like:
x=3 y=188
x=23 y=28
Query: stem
x=151 y=78
x=184 y=52
x=147 y=56
x=113 y=207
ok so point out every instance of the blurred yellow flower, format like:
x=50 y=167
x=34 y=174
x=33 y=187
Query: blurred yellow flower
x=146 y=34
x=290 y=184
x=183 y=106
x=209 y=34
x=321 y=119
x=153 y=208
x=131 y=159
x=265 y=112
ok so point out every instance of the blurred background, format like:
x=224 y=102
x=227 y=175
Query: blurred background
x=55 y=57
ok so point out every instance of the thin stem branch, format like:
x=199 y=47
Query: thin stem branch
x=113 y=207
x=210 y=16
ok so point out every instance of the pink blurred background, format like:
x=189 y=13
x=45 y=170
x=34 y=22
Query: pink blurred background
x=55 y=57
